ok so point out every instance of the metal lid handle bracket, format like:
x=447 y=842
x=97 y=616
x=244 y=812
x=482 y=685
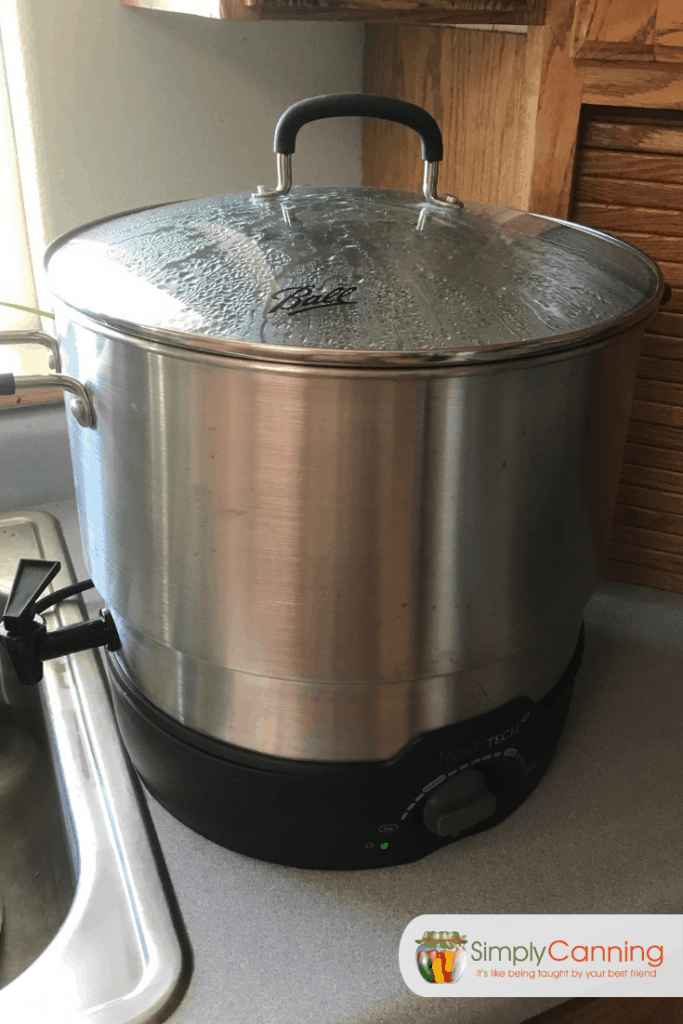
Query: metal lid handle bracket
x=80 y=406
x=358 y=105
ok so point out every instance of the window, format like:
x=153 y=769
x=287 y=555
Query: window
x=17 y=284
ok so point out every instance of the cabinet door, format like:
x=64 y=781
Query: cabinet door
x=668 y=40
x=629 y=182
x=628 y=30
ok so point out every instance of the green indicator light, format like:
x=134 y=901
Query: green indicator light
x=384 y=846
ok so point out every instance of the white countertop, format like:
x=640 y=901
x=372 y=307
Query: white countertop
x=603 y=833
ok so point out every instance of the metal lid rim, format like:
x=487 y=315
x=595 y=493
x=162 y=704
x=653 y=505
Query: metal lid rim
x=359 y=358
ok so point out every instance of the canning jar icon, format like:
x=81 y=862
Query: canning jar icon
x=441 y=956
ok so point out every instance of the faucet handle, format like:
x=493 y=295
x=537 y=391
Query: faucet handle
x=32 y=577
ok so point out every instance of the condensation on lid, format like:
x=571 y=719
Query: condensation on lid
x=353 y=269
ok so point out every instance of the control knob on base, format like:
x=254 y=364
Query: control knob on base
x=461 y=802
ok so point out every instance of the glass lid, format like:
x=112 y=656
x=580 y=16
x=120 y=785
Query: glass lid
x=352 y=275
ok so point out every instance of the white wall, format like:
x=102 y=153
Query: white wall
x=130 y=107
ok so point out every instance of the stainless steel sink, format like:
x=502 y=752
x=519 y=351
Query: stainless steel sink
x=90 y=932
x=37 y=881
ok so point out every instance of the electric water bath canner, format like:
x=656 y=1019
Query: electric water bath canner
x=345 y=463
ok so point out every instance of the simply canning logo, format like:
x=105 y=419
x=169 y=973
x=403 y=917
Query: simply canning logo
x=544 y=954
x=559 y=951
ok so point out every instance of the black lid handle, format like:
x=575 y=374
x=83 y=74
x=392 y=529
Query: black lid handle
x=359 y=105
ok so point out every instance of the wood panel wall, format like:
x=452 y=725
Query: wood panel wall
x=508 y=105
x=629 y=182
x=473 y=83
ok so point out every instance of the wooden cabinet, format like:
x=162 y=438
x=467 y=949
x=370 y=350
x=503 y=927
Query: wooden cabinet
x=628 y=30
x=528 y=124
x=518 y=12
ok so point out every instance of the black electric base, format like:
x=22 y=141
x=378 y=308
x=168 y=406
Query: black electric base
x=338 y=815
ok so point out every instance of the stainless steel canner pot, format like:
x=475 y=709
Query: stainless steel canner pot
x=345 y=458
